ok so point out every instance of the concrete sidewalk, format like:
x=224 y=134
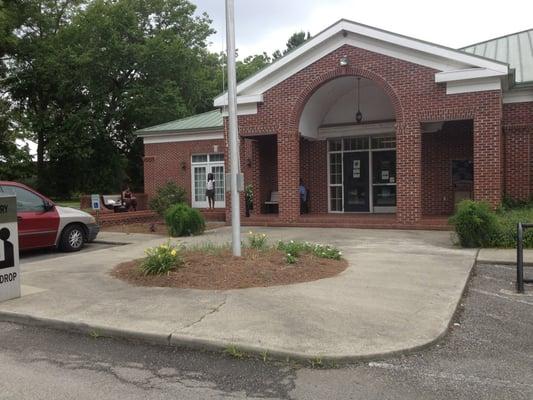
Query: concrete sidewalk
x=503 y=256
x=399 y=293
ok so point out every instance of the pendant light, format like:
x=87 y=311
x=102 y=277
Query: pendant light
x=358 y=115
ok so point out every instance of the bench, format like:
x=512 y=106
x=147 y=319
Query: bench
x=113 y=202
x=273 y=202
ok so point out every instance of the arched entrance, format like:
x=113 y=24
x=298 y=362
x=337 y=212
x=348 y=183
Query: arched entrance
x=348 y=147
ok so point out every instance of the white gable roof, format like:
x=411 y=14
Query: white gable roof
x=455 y=66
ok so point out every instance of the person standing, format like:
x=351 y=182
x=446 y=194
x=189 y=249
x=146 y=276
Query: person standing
x=304 y=198
x=129 y=199
x=210 y=190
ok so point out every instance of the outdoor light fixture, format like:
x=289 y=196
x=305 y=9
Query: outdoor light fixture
x=183 y=165
x=358 y=114
x=343 y=62
x=248 y=162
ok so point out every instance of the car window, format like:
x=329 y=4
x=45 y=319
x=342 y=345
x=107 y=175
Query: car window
x=26 y=200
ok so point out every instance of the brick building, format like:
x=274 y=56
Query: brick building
x=383 y=130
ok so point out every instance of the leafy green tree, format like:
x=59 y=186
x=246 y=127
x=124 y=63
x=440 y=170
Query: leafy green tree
x=85 y=76
x=295 y=40
x=251 y=64
x=16 y=163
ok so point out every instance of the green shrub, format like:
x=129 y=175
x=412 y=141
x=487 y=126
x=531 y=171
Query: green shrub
x=161 y=260
x=508 y=221
x=167 y=196
x=476 y=224
x=257 y=241
x=183 y=220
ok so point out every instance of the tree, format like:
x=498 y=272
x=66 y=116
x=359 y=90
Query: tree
x=85 y=76
x=251 y=64
x=295 y=40
x=34 y=71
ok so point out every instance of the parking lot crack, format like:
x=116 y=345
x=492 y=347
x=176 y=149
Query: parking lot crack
x=210 y=312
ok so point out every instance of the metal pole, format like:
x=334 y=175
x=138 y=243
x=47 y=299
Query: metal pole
x=519 y=258
x=233 y=129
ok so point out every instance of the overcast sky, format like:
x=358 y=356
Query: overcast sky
x=265 y=25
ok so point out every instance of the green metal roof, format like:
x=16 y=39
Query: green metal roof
x=515 y=49
x=211 y=120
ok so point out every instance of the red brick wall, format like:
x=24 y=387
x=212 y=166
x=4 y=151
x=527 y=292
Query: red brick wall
x=452 y=142
x=518 y=133
x=416 y=98
x=163 y=163
x=314 y=173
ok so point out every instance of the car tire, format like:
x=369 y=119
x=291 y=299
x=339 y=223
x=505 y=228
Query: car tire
x=72 y=238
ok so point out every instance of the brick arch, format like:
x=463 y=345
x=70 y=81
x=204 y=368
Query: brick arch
x=339 y=72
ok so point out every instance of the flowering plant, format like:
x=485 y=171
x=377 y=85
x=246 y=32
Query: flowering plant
x=257 y=240
x=293 y=249
x=161 y=259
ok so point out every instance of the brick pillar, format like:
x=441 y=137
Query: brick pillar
x=517 y=156
x=488 y=153
x=409 y=172
x=288 y=142
x=149 y=175
x=256 y=176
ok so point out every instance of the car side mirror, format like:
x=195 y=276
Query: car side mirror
x=48 y=206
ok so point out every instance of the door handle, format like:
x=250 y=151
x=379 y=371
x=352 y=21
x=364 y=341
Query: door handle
x=19 y=218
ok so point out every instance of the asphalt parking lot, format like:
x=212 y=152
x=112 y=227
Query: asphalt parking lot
x=51 y=253
x=487 y=354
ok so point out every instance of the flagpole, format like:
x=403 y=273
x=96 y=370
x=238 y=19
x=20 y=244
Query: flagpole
x=233 y=129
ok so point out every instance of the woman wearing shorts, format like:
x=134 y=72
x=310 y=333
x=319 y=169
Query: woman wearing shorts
x=210 y=190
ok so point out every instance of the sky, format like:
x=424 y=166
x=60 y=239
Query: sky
x=265 y=25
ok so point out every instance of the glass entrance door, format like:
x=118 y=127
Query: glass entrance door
x=202 y=165
x=356 y=182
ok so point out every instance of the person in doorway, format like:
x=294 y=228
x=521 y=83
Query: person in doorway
x=210 y=190
x=304 y=198
x=129 y=199
x=9 y=253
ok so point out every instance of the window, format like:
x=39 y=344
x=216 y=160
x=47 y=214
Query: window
x=199 y=158
x=356 y=143
x=26 y=200
x=335 y=145
x=216 y=157
x=335 y=169
x=384 y=142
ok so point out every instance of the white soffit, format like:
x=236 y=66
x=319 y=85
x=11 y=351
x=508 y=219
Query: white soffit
x=243 y=109
x=473 y=85
x=343 y=32
x=379 y=128
x=518 y=95
x=182 y=137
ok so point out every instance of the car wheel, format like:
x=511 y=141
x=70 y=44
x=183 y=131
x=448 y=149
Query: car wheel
x=72 y=238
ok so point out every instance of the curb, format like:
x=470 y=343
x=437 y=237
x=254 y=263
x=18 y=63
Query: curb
x=84 y=328
x=195 y=343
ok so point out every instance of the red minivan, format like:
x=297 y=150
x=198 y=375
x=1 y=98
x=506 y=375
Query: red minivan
x=41 y=223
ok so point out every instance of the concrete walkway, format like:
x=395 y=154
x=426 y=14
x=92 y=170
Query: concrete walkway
x=399 y=294
x=503 y=256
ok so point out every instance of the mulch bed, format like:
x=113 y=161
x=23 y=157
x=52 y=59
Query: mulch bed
x=222 y=271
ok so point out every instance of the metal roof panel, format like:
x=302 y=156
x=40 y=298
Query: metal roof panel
x=515 y=49
x=206 y=121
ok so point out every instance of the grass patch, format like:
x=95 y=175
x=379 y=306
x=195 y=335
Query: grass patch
x=234 y=352
x=68 y=203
